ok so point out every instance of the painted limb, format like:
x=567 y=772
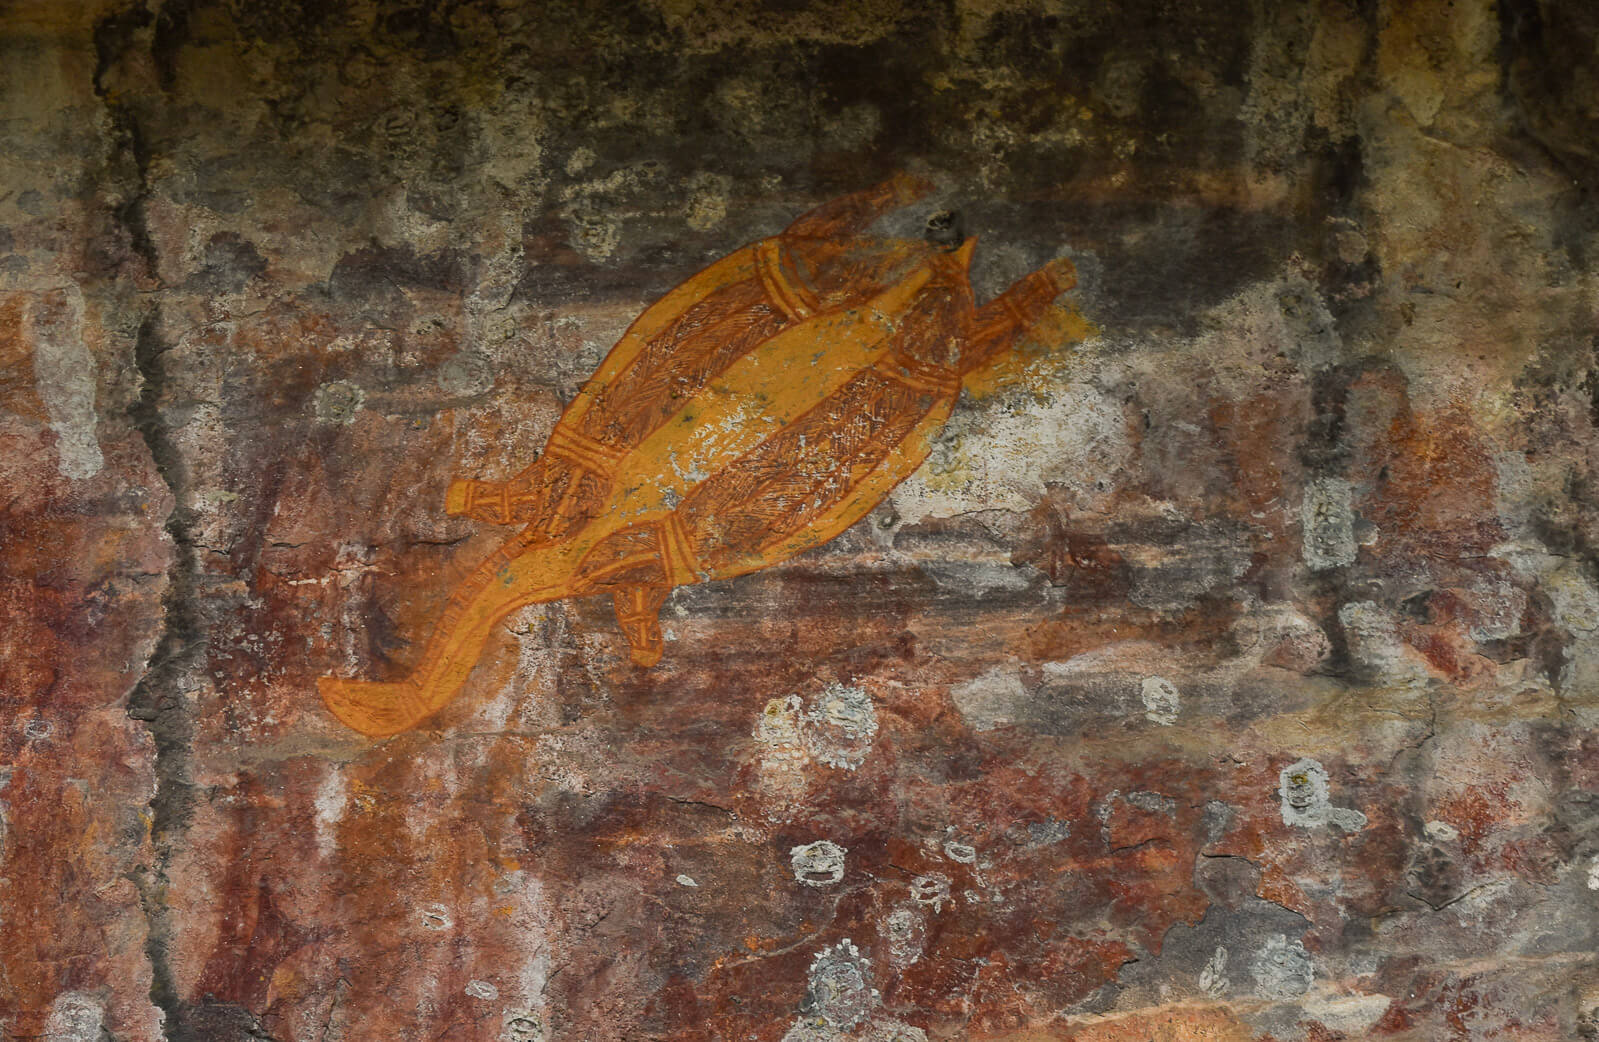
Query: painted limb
x=512 y=578
x=1003 y=320
x=638 y=612
x=515 y=502
x=852 y=213
x=545 y=494
x=487 y=501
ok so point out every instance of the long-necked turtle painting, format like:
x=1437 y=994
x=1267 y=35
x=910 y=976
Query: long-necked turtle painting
x=754 y=412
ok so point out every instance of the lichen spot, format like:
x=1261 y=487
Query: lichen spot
x=839 y=992
x=839 y=727
x=1161 y=701
x=1282 y=969
x=818 y=864
x=522 y=1025
x=75 y=1016
x=905 y=934
x=931 y=889
x=1303 y=792
x=337 y=403
x=436 y=917
x=963 y=853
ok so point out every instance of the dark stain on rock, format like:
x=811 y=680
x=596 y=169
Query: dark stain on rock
x=378 y=276
x=1550 y=56
x=229 y=263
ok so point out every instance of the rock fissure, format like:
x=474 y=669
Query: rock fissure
x=159 y=699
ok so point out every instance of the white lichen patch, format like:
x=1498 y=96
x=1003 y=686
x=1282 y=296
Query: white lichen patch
x=329 y=804
x=1047 y=833
x=1351 y=1015
x=338 y=402
x=1372 y=634
x=781 y=759
x=1162 y=704
x=905 y=936
x=75 y=1016
x=683 y=880
x=837 y=729
x=878 y=1029
x=1213 y=975
x=436 y=917
x=818 y=864
x=482 y=989
x=963 y=853
x=1440 y=832
x=522 y=1025
x=1327 y=521
x=1282 y=969
x=1000 y=457
x=1305 y=798
x=931 y=889
x=839 y=992
x=1152 y=802
x=1593 y=873
x=778 y=727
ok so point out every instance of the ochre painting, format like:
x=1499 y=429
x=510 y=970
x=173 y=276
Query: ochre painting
x=758 y=410
x=799 y=521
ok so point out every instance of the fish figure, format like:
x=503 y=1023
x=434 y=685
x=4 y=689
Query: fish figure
x=752 y=413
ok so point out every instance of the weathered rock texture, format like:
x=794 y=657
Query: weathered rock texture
x=1229 y=672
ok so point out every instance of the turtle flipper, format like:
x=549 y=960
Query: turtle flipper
x=638 y=612
x=479 y=500
x=1005 y=319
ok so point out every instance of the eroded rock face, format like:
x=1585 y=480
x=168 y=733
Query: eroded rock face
x=1228 y=671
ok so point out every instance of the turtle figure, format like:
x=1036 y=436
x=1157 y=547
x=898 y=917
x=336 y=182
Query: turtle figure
x=754 y=412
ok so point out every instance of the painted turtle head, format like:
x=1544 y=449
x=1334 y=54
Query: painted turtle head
x=945 y=229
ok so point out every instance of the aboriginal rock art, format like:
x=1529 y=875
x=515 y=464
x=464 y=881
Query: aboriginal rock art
x=754 y=412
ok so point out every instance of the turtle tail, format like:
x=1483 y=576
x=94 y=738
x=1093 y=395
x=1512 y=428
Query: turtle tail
x=522 y=572
x=373 y=708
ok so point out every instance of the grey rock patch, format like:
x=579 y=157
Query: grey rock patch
x=993 y=699
x=1282 y=969
x=65 y=376
x=466 y=374
x=1328 y=522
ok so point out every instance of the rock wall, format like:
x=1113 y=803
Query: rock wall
x=1229 y=671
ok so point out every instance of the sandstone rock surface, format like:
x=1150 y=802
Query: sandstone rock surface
x=1230 y=671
